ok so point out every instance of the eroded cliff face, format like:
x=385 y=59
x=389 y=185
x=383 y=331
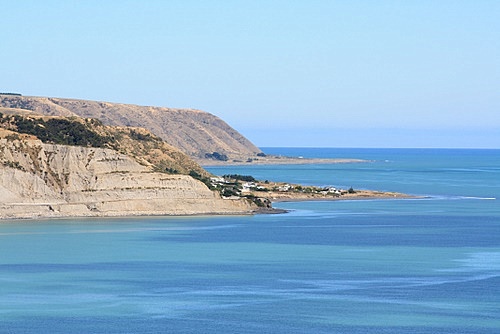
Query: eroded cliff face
x=194 y=132
x=48 y=180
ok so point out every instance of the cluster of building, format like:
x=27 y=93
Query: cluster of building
x=246 y=187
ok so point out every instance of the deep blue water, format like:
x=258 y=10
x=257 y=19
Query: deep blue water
x=380 y=266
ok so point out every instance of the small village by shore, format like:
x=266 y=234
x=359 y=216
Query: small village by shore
x=264 y=193
x=59 y=166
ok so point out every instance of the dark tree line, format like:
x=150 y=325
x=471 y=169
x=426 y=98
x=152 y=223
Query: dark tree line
x=246 y=178
x=15 y=94
x=57 y=131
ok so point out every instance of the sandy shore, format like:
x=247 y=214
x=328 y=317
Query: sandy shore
x=277 y=160
x=359 y=195
x=274 y=197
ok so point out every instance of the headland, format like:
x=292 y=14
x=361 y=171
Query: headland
x=55 y=164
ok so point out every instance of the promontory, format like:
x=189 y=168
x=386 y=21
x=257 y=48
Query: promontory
x=53 y=166
x=69 y=158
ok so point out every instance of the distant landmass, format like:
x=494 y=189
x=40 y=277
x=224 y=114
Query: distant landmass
x=198 y=134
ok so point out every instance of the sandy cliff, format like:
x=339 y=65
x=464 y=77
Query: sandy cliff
x=48 y=180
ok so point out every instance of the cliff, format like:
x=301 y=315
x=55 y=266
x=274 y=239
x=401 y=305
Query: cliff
x=138 y=143
x=49 y=180
x=58 y=167
x=194 y=132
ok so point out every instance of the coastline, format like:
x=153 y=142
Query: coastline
x=361 y=195
x=50 y=215
x=274 y=197
x=277 y=197
x=278 y=160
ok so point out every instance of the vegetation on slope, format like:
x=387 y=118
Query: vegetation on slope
x=56 y=130
x=196 y=133
x=142 y=145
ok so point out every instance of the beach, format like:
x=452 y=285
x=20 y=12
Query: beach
x=277 y=160
x=277 y=197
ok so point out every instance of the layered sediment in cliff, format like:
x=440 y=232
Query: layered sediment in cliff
x=50 y=180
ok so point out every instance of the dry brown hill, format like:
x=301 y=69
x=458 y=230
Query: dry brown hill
x=194 y=132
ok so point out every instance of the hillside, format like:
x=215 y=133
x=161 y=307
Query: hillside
x=194 y=132
x=52 y=166
x=146 y=148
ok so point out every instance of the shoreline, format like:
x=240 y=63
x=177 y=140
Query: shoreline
x=277 y=160
x=359 y=195
x=275 y=198
x=365 y=195
x=39 y=216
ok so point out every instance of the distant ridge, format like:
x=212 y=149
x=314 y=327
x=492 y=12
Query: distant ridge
x=196 y=133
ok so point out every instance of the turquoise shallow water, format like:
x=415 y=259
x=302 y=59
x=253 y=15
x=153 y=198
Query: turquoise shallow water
x=382 y=266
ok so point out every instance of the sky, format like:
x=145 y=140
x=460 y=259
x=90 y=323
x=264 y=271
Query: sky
x=283 y=73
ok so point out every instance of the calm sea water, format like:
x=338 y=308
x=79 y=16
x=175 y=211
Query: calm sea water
x=382 y=266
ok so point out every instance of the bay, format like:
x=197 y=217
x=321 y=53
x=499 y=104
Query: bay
x=427 y=265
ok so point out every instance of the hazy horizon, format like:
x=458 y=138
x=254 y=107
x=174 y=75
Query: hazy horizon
x=416 y=74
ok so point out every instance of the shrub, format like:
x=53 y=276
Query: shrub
x=246 y=178
x=216 y=156
x=195 y=175
x=57 y=131
x=140 y=136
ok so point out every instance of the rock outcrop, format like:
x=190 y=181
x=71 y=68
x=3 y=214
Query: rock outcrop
x=194 y=132
x=52 y=180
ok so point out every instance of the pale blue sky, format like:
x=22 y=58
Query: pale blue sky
x=284 y=73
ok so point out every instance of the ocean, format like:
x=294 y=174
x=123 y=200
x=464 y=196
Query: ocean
x=427 y=265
